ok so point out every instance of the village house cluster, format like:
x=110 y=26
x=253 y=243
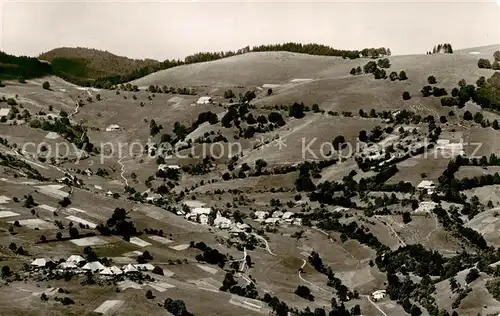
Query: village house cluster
x=78 y=265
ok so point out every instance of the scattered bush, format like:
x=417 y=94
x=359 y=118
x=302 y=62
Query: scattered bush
x=484 y=63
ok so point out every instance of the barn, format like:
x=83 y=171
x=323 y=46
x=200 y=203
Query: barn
x=204 y=100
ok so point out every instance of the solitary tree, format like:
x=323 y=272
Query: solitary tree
x=495 y=65
x=73 y=232
x=496 y=55
x=431 y=80
x=468 y=116
x=484 y=63
x=46 y=85
x=393 y=76
x=402 y=75
x=406 y=217
x=406 y=95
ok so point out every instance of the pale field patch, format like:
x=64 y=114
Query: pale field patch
x=160 y=239
x=35 y=223
x=180 y=247
x=108 y=306
x=139 y=242
x=4 y=214
x=88 y=241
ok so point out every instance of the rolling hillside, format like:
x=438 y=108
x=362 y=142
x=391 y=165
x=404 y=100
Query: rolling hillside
x=83 y=65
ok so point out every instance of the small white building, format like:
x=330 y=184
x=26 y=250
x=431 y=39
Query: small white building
x=164 y=167
x=287 y=215
x=277 y=214
x=129 y=269
x=4 y=112
x=297 y=222
x=203 y=219
x=39 y=263
x=67 y=266
x=93 y=266
x=426 y=185
x=242 y=226
x=340 y=209
x=75 y=259
x=272 y=220
x=112 y=128
x=116 y=270
x=106 y=272
x=222 y=222
x=378 y=295
x=204 y=100
x=261 y=215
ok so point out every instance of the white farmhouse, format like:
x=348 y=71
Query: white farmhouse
x=426 y=185
x=222 y=222
x=39 y=263
x=378 y=295
x=4 y=112
x=261 y=215
x=164 y=167
x=198 y=211
x=204 y=100
x=112 y=128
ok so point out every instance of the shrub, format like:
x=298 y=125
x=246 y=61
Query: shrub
x=431 y=80
x=472 y=275
x=384 y=63
x=481 y=82
x=484 y=63
x=449 y=101
x=496 y=55
x=406 y=95
x=406 y=217
x=370 y=67
x=468 y=116
x=495 y=65
x=402 y=75
x=393 y=76
x=228 y=94
x=65 y=202
x=269 y=91
x=379 y=74
x=157 y=270
x=149 y=295
x=304 y=292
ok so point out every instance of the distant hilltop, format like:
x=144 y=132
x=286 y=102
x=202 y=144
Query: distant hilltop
x=102 y=69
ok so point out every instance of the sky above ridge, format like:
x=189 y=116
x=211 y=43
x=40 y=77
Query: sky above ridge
x=163 y=29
